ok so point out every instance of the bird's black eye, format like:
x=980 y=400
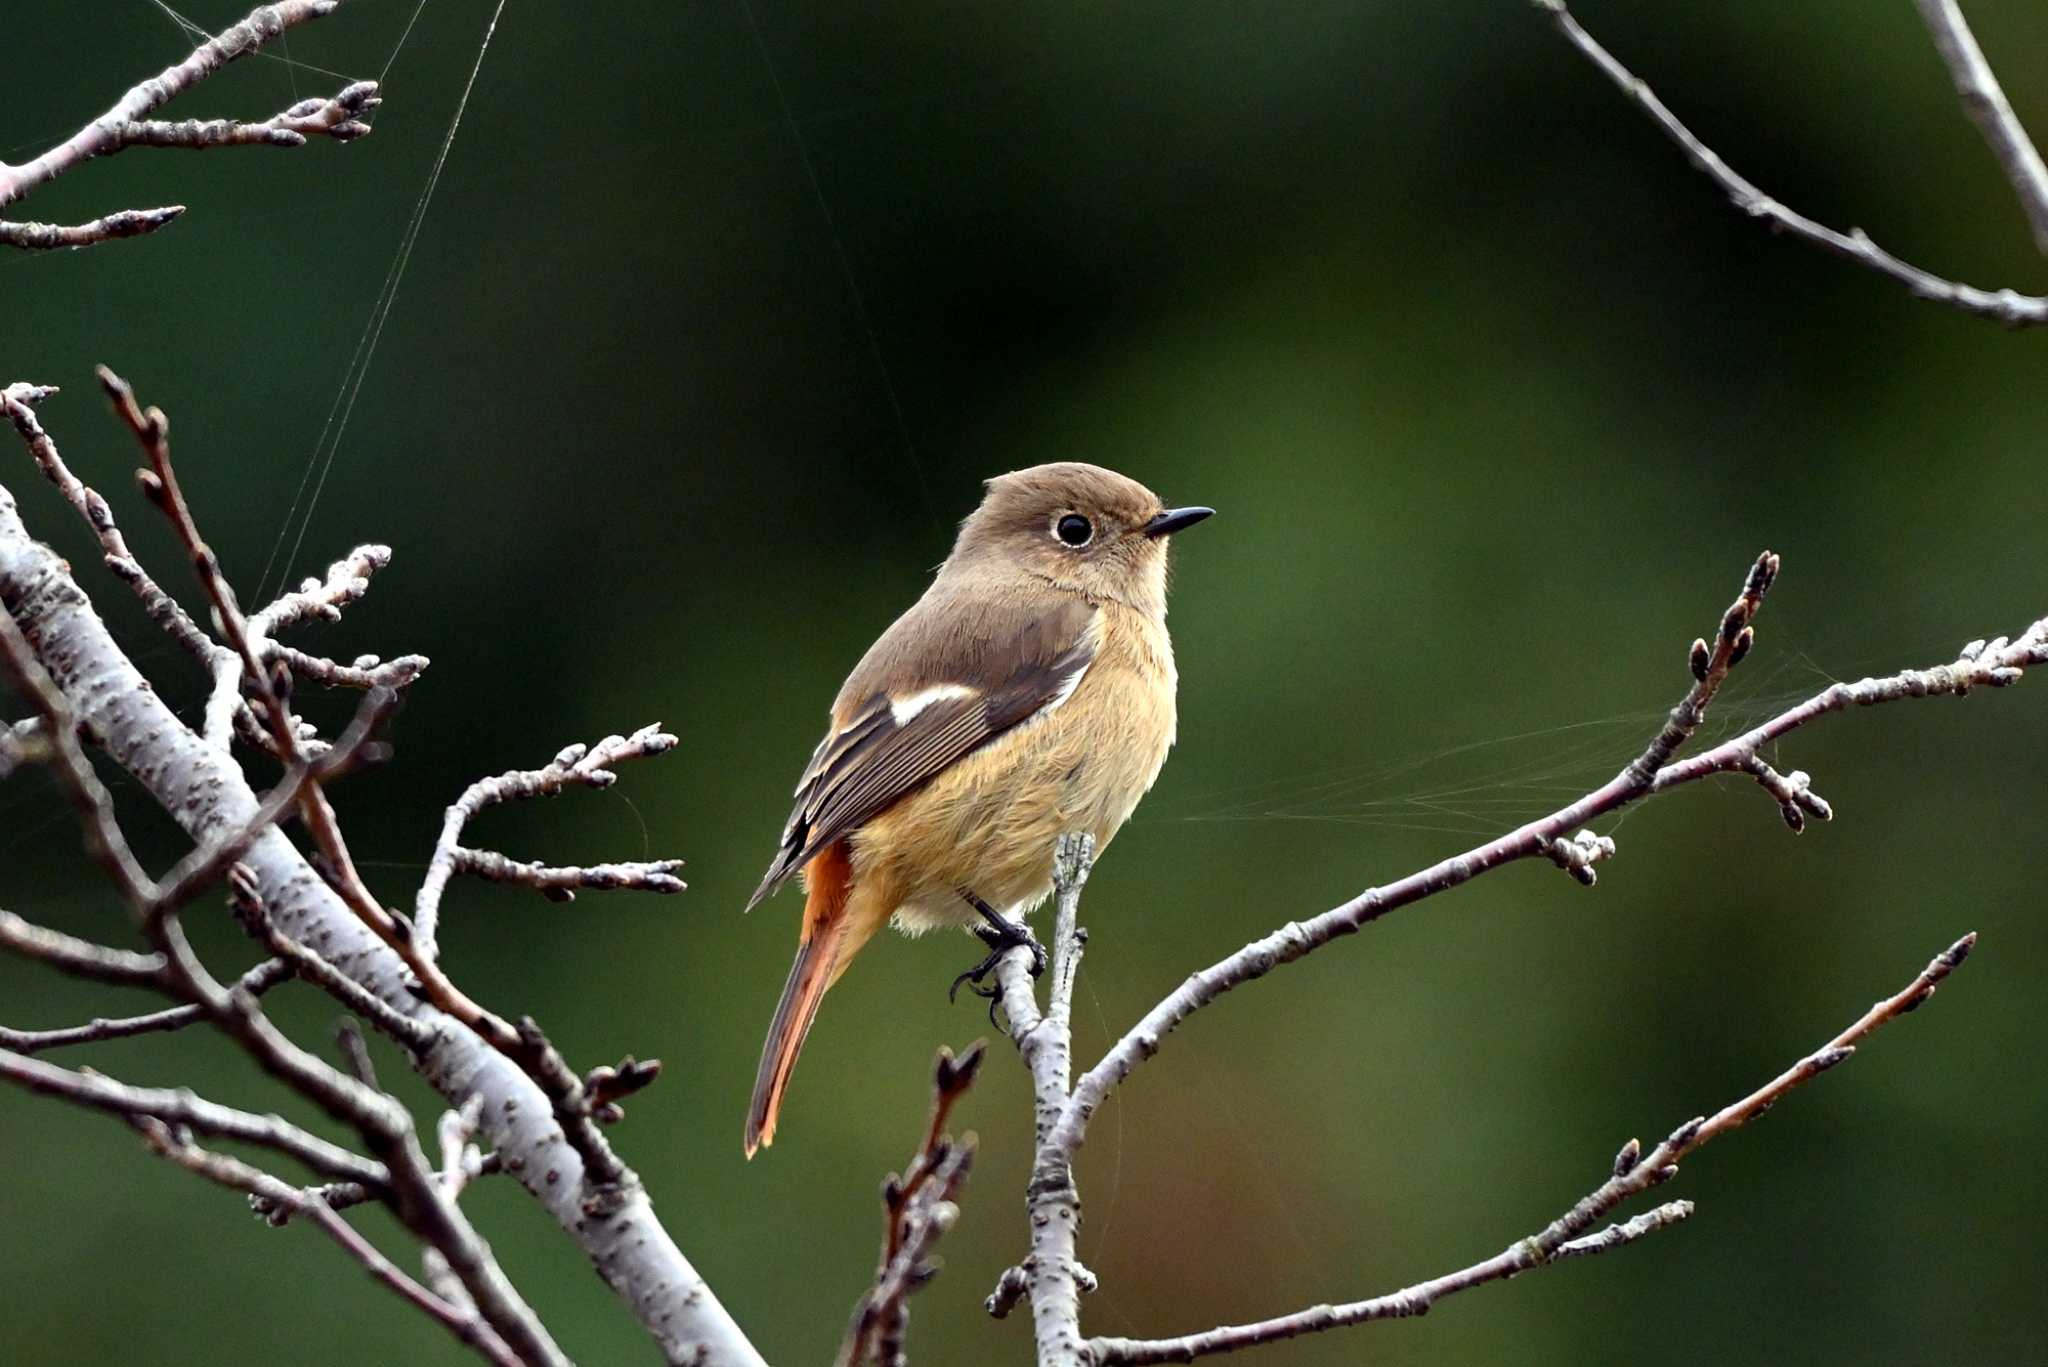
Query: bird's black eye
x=1074 y=529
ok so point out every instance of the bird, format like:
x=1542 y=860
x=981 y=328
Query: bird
x=1029 y=692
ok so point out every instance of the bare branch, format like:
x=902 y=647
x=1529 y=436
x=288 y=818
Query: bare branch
x=45 y=237
x=575 y=1108
x=342 y=1195
x=181 y=1107
x=123 y=125
x=1052 y=1277
x=160 y=482
x=246 y=895
x=918 y=1208
x=602 y=1206
x=80 y=785
x=80 y=958
x=162 y=608
x=1984 y=101
x=1999 y=663
x=1733 y=640
x=365 y=671
x=1566 y=1236
x=1051 y=1274
x=339 y=116
x=586 y=766
x=255 y=982
x=2007 y=306
x=561 y=883
x=321 y=600
x=1994 y=664
x=461 y=1321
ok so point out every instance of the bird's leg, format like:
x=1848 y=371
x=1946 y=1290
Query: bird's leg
x=1001 y=935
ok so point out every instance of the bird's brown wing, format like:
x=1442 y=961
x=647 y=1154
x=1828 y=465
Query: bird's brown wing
x=945 y=680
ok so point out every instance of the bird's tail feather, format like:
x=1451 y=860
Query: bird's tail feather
x=821 y=956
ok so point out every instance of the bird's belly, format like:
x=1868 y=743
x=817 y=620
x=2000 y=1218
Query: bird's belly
x=988 y=823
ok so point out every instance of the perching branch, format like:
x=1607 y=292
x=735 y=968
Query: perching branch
x=1565 y=1237
x=1973 y=78
x=918 y=1208
x=1053 y=1278
x=1051 y=1274
x=1995 y=664
x=339 y=118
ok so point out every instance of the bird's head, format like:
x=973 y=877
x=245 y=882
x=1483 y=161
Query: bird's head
x=1079 y=527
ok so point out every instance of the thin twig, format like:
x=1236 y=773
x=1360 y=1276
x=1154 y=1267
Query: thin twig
x=342 y=1195
x=413 y=1033
x=1050 y=1274
x=460 y=1161
x=560 y=883
x=1984 y=101
x=585 y=766
x=605 y=1210
x=462 y=1321
x=80 y=958
x=1995 y=664
x=160 y=482
x=162 y=608
x=340 y=118
x=2007 y=306
x=255 y=982
x=321 y=600
x=917 y=1210
x=180 y=1107
x=46 y=237
x=1567 y=1236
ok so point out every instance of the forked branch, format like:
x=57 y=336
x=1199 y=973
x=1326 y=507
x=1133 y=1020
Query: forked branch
x=1982 y=97
x=1994 y=664
x=1052 y=1277
x=1571 y=1234
x=540 y=1117
x=918 y=1207
x=339 y=118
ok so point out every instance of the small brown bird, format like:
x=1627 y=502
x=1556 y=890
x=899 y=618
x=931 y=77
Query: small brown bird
x=1028 y=693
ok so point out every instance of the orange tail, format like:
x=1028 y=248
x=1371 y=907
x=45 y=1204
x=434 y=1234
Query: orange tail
x=820 y=956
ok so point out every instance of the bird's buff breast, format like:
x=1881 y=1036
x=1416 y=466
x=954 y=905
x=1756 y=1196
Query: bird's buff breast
x=989 y=822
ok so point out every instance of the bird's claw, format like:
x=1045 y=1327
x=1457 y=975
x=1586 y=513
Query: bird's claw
x=1000 y=941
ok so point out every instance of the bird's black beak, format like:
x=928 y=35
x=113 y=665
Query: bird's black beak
x=1175 y=519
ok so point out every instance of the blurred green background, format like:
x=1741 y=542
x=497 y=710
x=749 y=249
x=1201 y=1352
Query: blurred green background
x=1497 y=397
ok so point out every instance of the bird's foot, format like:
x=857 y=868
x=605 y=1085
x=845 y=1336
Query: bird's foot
x=1001 y=936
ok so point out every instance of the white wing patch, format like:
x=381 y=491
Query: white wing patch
x=1067 y=689
x=902 y=710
